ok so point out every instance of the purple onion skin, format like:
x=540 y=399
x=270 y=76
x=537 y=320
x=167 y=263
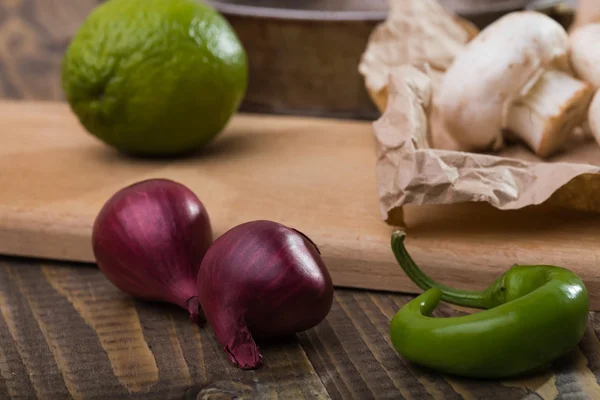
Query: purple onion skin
x=149 y=240
x=262 y=279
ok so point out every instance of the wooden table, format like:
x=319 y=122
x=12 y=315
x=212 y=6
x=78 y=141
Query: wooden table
x=65 y=332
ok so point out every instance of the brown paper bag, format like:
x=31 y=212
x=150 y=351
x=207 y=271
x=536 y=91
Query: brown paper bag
x=418 y=164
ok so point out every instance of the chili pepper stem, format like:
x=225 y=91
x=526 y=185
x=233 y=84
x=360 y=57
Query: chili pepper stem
x=464 y=298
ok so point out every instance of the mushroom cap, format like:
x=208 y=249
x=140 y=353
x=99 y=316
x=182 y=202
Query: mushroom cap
x=499 y=65
x=585 y=53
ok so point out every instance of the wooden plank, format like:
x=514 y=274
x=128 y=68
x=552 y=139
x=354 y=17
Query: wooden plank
x=352 y=350
x=59 y=323
x=462 y=246
x=57 y=177
x=313 y=174
x=33 y=37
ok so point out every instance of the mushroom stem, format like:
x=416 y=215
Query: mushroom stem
x=551 y=109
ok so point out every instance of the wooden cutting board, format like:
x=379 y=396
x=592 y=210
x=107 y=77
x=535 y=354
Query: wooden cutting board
x=316 y=175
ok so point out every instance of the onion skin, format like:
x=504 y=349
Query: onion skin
x=262 y=279
x=149 y=240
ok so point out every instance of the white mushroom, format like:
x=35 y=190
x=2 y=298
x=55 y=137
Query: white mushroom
x=585 y=60
x=585 y=53
x=594 y=117
x=514 y=76
x=439 y=138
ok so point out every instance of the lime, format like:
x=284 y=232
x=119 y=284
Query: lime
x=155 y=77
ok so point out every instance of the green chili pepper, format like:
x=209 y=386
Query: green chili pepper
x=533 y=315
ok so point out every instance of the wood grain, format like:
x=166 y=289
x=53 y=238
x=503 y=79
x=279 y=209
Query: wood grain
x=33 y=37
x=312 y=174
x=116 y=336
x=66 y=332
x=292 y=70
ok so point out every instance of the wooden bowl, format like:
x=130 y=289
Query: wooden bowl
x=304 y=54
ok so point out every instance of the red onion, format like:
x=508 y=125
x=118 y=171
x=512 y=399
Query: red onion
x=259 y=280
x=149 y=239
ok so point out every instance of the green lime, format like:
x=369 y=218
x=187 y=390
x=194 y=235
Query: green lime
x=155 y=77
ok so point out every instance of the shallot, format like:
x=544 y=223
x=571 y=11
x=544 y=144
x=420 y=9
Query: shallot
x=149 y=239
x=262 y=279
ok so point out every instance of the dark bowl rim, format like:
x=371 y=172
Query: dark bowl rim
x=295 y=14
x=365 y=15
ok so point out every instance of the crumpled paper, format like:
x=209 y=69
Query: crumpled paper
x=416 y=32
x=417 y=164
